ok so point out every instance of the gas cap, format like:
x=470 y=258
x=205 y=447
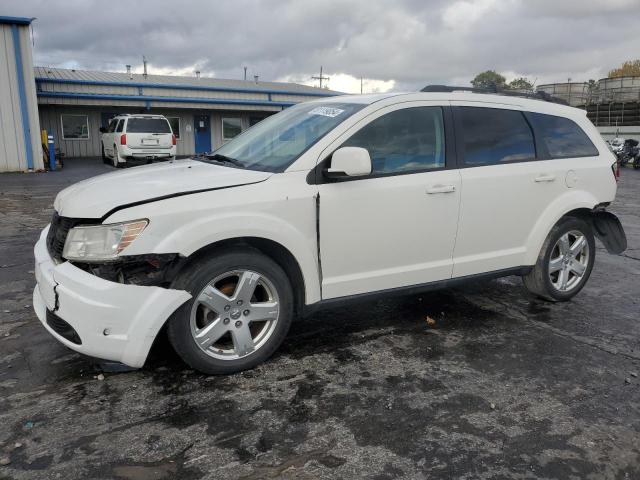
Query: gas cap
x=571 y=179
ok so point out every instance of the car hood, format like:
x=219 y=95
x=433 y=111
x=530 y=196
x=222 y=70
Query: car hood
x=97 y=196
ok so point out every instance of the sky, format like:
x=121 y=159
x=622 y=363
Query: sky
x=393 y=45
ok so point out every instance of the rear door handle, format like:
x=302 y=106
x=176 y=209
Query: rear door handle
x=545 y=178
x=441 y=189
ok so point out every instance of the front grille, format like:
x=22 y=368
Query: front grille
x=62 y=328
x=58 y=232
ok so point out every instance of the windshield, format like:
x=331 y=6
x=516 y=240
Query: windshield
x=275 y=143
x=148 y=125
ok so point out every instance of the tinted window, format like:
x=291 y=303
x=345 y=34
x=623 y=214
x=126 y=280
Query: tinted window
x=404 y=140
x=175 y=125
x=148 y=125
x=112 y=126
x=492 y=136
x=562 y=137
x=120 y=125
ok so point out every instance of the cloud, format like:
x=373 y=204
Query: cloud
x=397 y=44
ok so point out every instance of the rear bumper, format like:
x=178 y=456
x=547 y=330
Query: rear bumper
x=146 y=153
x=113 y=321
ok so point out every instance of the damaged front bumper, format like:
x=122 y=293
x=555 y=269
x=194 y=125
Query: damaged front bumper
x=112 y=321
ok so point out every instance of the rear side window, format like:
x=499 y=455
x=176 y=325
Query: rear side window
x=120 y=126
x=492 y=136
x=148 y=125
x=405 y=140
x=562 y=137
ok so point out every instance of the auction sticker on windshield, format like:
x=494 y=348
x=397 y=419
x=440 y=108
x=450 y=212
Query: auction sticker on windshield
x=326 y=111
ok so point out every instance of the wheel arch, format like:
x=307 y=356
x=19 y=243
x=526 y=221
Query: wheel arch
x=576 y=203
x=268 y=247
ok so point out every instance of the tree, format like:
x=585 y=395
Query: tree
x=489 y=80
x=520 y=84
x=630 y=68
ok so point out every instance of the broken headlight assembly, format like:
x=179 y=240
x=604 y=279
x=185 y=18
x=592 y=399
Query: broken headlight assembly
x=100 y=243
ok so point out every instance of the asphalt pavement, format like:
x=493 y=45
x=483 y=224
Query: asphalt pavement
x=482 y=381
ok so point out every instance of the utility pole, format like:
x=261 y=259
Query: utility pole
x=361 y=89
x=144 y=66
x=569 y=90
x=321 y=77
x=245 y=74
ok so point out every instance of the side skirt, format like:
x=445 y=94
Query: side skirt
x=413 y=289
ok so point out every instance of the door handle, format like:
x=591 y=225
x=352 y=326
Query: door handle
x=441 y=189
x=545 y=178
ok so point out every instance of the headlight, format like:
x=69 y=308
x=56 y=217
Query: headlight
x=101 y=242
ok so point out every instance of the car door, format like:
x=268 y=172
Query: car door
x=395 y=227
x=108 y=137
x=505 y=189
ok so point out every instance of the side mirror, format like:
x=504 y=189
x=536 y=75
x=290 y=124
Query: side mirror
x=103 y=130
x=349 y=162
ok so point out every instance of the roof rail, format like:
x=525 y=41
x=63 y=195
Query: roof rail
x=537 y=95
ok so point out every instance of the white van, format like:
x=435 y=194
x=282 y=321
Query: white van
x=145 y=137
x=343 y=198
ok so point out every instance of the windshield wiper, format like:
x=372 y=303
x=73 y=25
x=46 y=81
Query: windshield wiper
x=224 y=159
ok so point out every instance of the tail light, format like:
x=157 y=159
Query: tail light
x=123 y=139
x=173 y=138
x=615 y=168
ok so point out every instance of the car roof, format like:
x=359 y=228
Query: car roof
x=463 y=96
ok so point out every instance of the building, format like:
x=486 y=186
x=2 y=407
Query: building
x=20 y=143
x=612 y=104
x=204 y=112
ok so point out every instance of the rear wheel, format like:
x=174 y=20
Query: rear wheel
x=116 y=158
x=565 y=261
x=104 y=156
x=240 y=312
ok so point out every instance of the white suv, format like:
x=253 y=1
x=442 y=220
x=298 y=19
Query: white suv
x=145 y=137
x=327 y=201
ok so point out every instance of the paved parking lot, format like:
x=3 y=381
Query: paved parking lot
x=475 y=382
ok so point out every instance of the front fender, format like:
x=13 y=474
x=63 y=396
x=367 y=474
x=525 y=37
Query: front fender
x=206 y=230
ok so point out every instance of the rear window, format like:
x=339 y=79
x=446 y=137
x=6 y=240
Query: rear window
x=562 y=137
x=492 y=136
x=148 y=125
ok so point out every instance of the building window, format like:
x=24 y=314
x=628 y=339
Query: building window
x=231 y=127
x=75 y=127
x=175 y=125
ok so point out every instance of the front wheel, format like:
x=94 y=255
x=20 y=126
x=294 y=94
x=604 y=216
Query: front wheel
x=565 y=261
x=239 y=314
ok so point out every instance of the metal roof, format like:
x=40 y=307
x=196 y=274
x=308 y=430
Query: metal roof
x=16 y=20
x=122 y=79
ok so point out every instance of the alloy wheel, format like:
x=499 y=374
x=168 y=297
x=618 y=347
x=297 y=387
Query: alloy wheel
x=568 y=261
x=235 y=314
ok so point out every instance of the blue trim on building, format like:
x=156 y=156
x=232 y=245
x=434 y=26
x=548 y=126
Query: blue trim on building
x=148 y=98
x=23 y=96
x=178 y=86
x=16 y=20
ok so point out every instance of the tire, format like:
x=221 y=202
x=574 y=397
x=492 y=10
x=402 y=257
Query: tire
x=116 y=158
x=221 y=314
x=104 y=156
x=540 y=280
